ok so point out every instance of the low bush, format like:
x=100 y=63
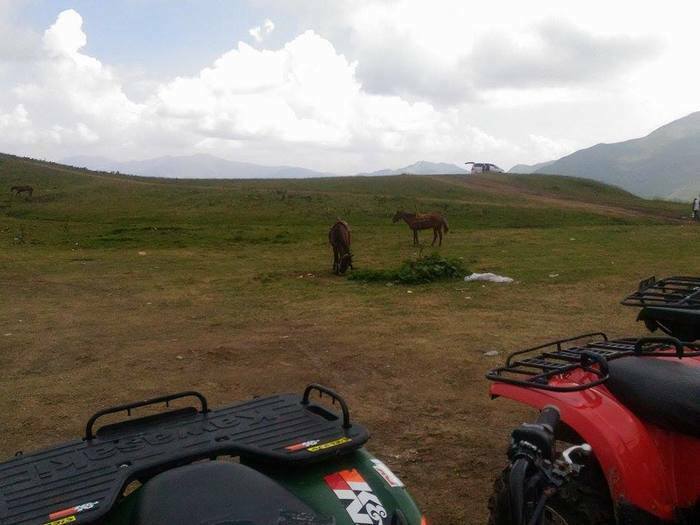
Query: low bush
x=419 y=271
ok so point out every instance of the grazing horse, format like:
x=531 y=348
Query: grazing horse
x=423 y=221
x=339 y=237
x=22 y=189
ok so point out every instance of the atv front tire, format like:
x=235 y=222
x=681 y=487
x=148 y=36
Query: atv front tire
x=582 y=501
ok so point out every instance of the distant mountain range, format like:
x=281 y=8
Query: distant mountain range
x=665 y=163
x=423 y=167
x=203 y=166
x=199 y=166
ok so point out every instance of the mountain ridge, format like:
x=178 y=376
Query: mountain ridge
x=664 y=163
x=205 y=166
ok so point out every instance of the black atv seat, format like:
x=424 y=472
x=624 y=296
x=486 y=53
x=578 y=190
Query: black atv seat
x=663 y=392
x=217 y=493
x=683 y=324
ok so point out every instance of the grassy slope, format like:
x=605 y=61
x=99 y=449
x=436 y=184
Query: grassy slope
x=107 y=211
x=115 y=288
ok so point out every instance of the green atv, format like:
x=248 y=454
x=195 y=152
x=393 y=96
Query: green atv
x=279 y=460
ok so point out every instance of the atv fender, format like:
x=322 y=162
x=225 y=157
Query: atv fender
x=626 y=449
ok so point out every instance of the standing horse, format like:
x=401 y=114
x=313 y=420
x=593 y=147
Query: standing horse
x=339 y=237
x=22 y=189
x=424 y=221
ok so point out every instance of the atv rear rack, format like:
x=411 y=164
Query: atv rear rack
x=671 y=305
x=671 y=292
x=556 y=359
x=84 y=478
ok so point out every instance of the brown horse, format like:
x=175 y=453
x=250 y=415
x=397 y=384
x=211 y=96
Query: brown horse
x=424 y=221
x=340 y=238
x=22 y=189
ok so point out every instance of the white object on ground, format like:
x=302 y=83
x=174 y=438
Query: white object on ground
x=491 y=277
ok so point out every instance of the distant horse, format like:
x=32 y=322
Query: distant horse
x=424 y=221
x=339 y=237
x=22 y=189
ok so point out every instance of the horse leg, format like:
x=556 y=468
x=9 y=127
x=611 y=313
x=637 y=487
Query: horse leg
x=434 y=237
x=439 y=230
x=415 y=237
x=335 y=260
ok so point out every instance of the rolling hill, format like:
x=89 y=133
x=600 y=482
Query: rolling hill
x=118 y=210
x=665 y=163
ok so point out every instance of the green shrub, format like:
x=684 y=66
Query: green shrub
x=422 y=270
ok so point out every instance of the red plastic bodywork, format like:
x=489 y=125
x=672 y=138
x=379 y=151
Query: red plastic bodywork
x=651 y=468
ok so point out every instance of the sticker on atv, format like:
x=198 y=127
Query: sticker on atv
x=301 y=446
x=363 y=506
x=61 y=517
x=330 y=444
x=385 y=472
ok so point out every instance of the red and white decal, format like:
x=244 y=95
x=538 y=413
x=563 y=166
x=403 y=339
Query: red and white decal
x=363 y=506
x=301 y=446
x=385 y=472
x=73 y=510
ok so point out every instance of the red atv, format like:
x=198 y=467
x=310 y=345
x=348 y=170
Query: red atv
x=617 y=440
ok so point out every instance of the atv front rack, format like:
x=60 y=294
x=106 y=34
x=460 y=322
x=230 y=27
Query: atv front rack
x=671 y=305
x=81 y=480
x=551 y=362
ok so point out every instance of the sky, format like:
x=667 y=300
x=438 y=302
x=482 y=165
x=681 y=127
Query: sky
x=342 y=86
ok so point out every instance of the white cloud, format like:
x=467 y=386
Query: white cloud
x=256 y=101
x=260 y=32
x=556 y=53
x=373 y=84
x=550 y=149
x=65 y=37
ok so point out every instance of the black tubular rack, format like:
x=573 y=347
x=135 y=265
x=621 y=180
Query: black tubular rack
x=535 y=367
x=671 y=292
x=89 y=474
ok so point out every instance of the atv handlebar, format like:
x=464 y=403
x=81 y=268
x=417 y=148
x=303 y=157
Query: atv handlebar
x=549 y=416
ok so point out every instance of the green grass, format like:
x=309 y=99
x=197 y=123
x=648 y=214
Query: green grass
x=107 y=211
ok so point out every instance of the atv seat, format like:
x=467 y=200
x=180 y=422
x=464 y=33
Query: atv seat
x=217 y=493
x=663 y=392
x=683 y=324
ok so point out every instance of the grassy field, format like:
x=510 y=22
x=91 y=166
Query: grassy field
x=116 y=288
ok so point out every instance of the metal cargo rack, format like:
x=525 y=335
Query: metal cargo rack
x=85 y=477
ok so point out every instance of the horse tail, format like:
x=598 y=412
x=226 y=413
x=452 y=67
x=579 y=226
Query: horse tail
x=445 y=227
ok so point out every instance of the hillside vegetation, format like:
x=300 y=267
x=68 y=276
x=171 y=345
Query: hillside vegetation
x=104 y=210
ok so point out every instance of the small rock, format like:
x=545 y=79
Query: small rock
x=8 y=335
x=553 y=275
x=491 y=353
x=179 y=357
x=409 y=291
x=142 y=253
